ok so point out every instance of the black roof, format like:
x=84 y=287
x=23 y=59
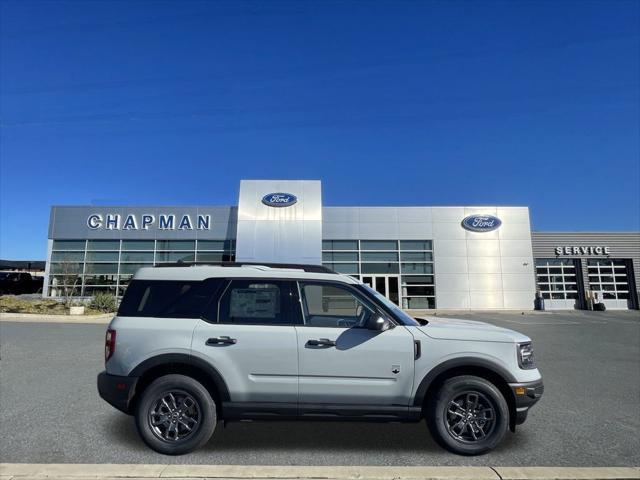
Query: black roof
x=297 y=266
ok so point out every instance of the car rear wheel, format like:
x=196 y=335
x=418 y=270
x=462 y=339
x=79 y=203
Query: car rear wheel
x=469 y=415
x=175 y=415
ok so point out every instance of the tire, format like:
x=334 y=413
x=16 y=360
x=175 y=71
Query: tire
x=453 y=424
x=163 y=423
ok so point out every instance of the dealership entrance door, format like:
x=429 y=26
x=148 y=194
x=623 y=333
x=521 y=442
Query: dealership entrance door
x=387 y=285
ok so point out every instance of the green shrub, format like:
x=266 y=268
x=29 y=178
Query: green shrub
x=103 y=302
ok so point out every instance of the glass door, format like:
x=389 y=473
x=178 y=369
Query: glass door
x=610 y=279
x=557 y=280
x=386 y=285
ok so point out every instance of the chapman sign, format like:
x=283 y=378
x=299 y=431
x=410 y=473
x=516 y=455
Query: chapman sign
x=115 y=221
x=584 y=250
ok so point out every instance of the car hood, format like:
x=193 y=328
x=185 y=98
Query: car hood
x=458 y=329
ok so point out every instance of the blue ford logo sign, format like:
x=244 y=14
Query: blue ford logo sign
x=279 y=199
x=481 y=223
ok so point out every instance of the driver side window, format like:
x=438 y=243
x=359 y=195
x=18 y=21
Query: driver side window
x=333 y=306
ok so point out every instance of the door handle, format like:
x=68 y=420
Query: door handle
x=323 y=342
x=221 y=341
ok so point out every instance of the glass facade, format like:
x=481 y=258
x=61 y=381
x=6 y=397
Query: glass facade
x=87 y=267
x=402 y=270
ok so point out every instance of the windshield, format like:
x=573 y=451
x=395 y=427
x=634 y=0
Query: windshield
x=6 y=275
x=395 y=309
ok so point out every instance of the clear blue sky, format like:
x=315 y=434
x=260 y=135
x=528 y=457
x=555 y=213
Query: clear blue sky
x=388 y=103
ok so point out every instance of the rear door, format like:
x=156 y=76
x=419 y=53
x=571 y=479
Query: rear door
x=341 y=361
x=250 y=338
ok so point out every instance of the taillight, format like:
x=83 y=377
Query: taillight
x=109 y=344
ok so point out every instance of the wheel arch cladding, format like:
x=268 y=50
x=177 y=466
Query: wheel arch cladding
x=488 y=370
x=176 y=363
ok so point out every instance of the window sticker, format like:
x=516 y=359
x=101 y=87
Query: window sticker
x=255 y=303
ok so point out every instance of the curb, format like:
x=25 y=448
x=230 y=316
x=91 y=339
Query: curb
x=25 y=471
x=38 y=318
x=567 y=473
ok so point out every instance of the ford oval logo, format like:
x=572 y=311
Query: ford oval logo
x=481 y=223
x=279 y=199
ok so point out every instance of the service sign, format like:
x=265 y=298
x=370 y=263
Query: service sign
x=481 y=223
x=583 y=250
x=279 y=199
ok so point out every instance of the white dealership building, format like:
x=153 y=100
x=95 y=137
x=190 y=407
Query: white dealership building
x=458 y=257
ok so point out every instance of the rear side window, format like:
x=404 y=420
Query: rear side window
x=171 y=299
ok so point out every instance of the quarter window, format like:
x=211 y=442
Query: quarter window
x=170 y=299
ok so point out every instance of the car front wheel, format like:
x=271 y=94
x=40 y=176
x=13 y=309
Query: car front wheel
x=175 y=415
x=469 y=415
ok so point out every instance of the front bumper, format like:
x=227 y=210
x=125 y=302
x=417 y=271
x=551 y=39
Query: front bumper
x=526 y=395
x=117 y=391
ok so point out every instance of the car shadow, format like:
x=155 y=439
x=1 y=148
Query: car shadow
x=321 y=436
x=317 y=437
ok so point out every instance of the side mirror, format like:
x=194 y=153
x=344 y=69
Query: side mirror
x=380 y=323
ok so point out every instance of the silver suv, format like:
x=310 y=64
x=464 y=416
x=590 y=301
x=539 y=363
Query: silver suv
x=191 y=346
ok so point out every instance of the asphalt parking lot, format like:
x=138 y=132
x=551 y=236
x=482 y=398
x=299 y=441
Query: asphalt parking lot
x=590 y=415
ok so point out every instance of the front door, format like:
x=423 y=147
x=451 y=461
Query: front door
x=386 y=285
x=343 y=362
x=251 y=340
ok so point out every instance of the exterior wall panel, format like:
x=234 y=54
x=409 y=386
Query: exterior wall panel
x=291 y=234
x=468 y=265
x=484 y=253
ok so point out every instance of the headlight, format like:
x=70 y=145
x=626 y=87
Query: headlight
x=525 y=356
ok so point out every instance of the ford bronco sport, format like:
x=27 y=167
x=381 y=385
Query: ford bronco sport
x=191 y=346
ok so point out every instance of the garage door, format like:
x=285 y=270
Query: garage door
x=558 y=283
x=610 y=279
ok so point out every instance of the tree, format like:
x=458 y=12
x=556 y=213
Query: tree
x=68 y=279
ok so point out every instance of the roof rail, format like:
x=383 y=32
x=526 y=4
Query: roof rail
x=296 y=266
